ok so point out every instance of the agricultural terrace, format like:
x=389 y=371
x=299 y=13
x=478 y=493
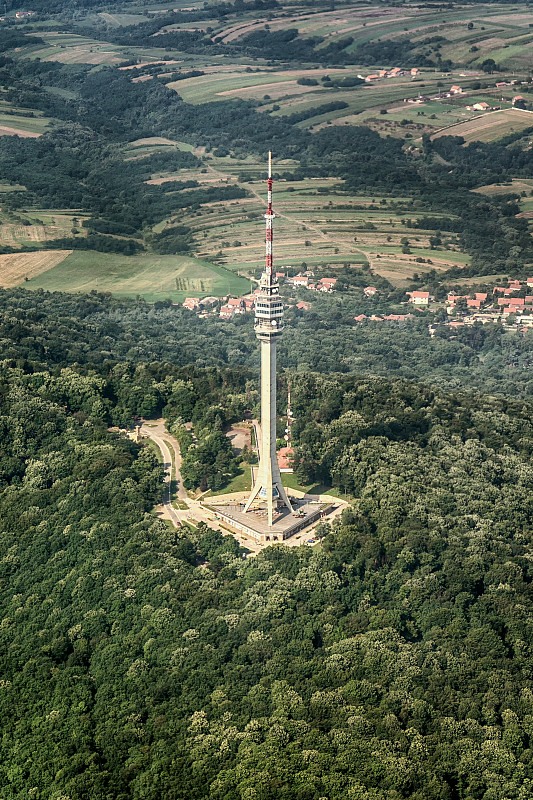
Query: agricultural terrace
x=69 y=48
x=153 y=277
x=315 y=224
x=491 y=126
x=16 y=121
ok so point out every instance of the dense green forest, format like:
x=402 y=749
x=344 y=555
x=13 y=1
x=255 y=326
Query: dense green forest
x=95 y=330
x=139 y=662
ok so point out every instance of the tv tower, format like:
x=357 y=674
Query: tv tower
x=268 y=328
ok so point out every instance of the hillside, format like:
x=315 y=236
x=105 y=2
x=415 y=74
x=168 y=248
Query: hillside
x=391 y=662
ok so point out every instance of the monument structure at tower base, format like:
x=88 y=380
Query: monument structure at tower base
x=307 y=511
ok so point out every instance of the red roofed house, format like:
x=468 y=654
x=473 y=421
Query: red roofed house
x=419 y=298
x=516 y=301
x=300 y=280
x=191 y=303
x=456 y=90
x=529 y=282
x=226 y=312
x=473 y=303
x=514 y=284
x=393 y=73
x=370 y=291
x=360 y=318
x=249 y=303
x=237 y=305
x=326 y=284
x=518 y=99
x=303 y=306
x=284 y=454
x=481 y=107
x=481 y=296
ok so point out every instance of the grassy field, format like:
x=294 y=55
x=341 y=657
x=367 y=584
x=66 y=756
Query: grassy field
x=23 y=126
x=150 y=276
x=492 y=126
x=32 y=227
x=16 y=268
x=516 y=186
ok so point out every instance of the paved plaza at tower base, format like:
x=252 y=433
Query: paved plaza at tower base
x=254 y=523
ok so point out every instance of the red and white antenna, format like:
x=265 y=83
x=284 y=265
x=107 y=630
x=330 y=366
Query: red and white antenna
x=269 y=216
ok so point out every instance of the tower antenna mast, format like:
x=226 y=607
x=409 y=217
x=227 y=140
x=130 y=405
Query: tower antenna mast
x=268 y=328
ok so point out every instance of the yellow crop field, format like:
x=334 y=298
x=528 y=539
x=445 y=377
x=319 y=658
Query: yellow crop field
x=16 y=267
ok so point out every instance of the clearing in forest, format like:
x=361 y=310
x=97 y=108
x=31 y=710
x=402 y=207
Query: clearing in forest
x=15 y=268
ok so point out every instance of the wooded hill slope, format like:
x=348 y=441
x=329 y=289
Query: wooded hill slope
x=391 y=662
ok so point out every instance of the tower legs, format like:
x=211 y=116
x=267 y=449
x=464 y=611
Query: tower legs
x=268 y=483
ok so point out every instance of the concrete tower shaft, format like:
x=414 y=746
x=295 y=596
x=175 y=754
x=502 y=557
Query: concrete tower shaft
x=268 y=328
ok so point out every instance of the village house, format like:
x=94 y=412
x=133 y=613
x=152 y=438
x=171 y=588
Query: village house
x=303 y=306
x=237 y=304
x=192 y=303
x=419 y=298
x=481 y=107
x=226 y=312
x=326 y=284
x=299 y=280
x=370 y=291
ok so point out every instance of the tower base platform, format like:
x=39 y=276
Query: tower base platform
x=254 y=523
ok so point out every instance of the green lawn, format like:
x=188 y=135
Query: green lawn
x=150 y=276
x=290 y=481
x=240 y=483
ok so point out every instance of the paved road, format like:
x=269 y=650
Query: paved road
x=156 y=431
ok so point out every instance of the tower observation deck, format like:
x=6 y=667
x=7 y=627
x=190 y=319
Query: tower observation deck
x=268 y=328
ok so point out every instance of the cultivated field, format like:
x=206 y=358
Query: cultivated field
x=490 y=127
x=316 y=225
x=516 y=186
x=22 y=228
x=151 y=276
x=16 y=268
x=24 y=124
